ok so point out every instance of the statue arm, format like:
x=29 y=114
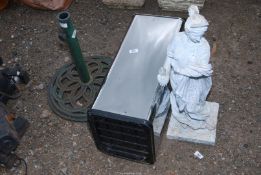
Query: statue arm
x=195 y=71
x=167 y=65
x=197 y=67
x=164 y=72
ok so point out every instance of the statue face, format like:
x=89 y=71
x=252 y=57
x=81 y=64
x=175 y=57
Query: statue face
x=195 y=34
x=194 y=37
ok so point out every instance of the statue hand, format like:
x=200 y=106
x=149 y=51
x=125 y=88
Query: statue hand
x=162 y=77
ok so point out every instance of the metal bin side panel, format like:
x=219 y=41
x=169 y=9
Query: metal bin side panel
x=132 y=80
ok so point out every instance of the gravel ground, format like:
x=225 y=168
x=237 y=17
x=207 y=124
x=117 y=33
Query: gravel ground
x=56 y=146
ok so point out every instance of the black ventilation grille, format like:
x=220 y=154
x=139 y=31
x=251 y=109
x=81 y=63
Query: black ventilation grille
x=122 y=136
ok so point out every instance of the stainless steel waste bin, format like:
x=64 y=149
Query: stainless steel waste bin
x=129 y=112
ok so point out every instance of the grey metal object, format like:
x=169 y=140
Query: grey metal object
x=132 y=81
x=131 y=91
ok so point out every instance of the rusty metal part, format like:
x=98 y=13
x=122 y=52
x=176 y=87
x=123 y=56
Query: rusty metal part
x=3 y=4
x=11 y=131
x=214 y=47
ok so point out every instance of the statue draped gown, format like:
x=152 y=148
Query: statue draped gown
x=187 y=65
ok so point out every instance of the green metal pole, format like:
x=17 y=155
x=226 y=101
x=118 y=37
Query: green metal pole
x=68 y=29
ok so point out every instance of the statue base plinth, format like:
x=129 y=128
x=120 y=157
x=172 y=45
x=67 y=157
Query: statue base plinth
x=179 y=131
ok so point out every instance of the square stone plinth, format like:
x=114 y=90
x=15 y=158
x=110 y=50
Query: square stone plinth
x=179 y=131
x=179 y=5
x=129 y=4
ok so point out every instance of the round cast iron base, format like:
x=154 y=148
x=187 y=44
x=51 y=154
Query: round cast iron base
x=70 y=98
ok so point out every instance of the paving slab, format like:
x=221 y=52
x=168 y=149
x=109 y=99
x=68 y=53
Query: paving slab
x=129 y=4
x=179 y=5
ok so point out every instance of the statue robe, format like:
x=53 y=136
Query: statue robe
x=187 y=64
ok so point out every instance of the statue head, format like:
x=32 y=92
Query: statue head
x=196 y=24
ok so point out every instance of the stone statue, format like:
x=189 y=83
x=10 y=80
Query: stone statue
x=189 y=72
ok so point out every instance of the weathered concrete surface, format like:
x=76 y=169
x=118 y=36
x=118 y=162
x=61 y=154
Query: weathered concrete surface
x=179 y=5
x=129 y=4
x=179 y=131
